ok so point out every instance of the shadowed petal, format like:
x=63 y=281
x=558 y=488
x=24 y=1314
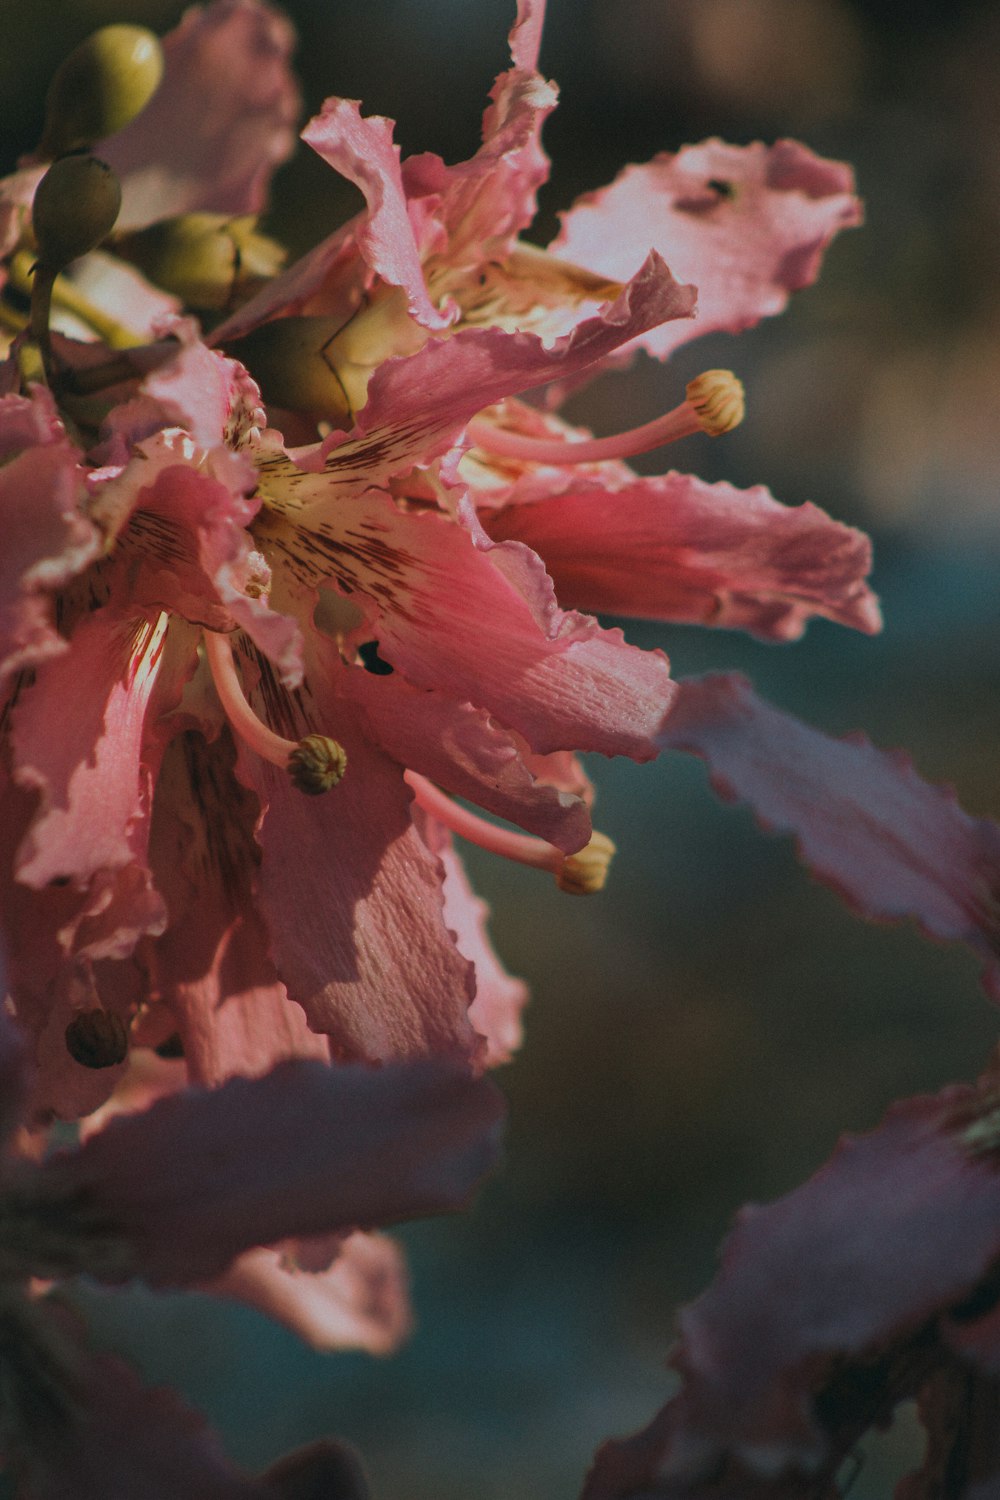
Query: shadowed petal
x=829 y=1308
x=118 y=1437
x=331 y=1148
x=891 y=844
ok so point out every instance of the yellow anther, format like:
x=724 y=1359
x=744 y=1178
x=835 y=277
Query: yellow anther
x=718 y=401
x=585 y=873
x=97 y=1038
x=317 y=764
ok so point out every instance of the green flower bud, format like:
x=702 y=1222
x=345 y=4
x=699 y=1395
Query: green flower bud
x=100 y=87
x=208 y=260
x=75 y=208
x=290 y=361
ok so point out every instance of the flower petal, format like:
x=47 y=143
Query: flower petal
x=46 y=538
x=675 y=548
x=360 y=942
x=332 y=1149
x=360 y=1302
x=500 y=998
x=747 y=224
x=362 y=150
x=79 y=736
x=828 y=1307
x=483 y=203
x=213 y=968
x=478 y=620
x=220 y=122
x=892 y=845
x=178 y=516
x=418 y=406
x=464 y=751
x=111 y=1435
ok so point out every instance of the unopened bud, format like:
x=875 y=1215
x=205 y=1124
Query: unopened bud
x=97 y=1039
x=75 y=208
x=100 y=87
x=289 y=358
x=209 y=261
x=585 y=873
x=317 y=764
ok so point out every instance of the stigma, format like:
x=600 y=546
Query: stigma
x=714 y=403
x=315 y=764
x=581 y=874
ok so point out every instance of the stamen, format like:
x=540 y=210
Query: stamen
x=715 y=404
x=586 y=872
x=315 y=764
x=580 y=874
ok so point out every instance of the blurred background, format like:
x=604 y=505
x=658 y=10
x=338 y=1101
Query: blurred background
x=702 y=1032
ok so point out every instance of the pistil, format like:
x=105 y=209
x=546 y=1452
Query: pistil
x=315 y=764
x=580 y=874
x=714 y=405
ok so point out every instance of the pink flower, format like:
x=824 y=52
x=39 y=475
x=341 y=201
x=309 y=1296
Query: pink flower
x=193 y=603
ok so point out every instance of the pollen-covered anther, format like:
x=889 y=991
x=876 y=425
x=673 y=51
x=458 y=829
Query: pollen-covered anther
x=718 y=400
x=317 y=764
x=97 y=1038
x=586 y=872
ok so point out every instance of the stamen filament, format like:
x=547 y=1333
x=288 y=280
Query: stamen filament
x=714 y=405
x=579 y=874
x=315 y=764
x=267 y=744
x=523 y=848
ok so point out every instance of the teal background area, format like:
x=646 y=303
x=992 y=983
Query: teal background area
x=702 y=1032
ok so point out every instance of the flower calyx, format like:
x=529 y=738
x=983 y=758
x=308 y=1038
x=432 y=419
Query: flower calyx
x=211 y=262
